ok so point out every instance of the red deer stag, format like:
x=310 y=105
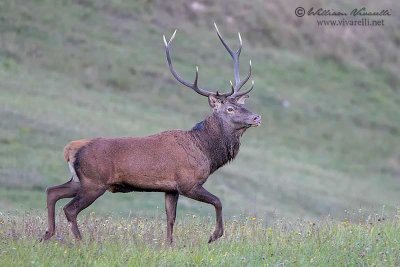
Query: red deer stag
x=176 y=162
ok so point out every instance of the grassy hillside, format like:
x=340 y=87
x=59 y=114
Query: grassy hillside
x=76 y=69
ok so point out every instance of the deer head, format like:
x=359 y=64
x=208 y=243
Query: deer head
x=227 y=106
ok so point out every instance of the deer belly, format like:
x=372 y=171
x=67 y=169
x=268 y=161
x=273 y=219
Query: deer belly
x=143 y=184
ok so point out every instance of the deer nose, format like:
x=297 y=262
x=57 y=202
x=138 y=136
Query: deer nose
x=257 y=120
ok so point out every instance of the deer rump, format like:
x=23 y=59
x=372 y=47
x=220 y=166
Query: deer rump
x=144 y=164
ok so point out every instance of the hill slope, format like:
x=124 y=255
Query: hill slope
x=76 y=69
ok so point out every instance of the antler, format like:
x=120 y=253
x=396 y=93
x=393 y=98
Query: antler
x=193 y=85
x=235 y=57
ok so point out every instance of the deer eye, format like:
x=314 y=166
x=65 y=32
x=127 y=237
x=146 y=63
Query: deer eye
x=230 y=109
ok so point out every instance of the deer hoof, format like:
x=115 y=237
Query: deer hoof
x=46 y=236
x=169 y=243
x=217 y=234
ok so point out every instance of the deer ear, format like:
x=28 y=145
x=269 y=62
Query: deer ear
x=242 y=99
x=214 y=101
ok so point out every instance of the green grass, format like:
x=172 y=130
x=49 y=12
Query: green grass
x=248 y=241
x=71 y=70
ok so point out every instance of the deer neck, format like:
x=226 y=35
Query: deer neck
x=218 y=141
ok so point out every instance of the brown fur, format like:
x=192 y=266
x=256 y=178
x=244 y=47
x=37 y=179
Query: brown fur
x=163 y=162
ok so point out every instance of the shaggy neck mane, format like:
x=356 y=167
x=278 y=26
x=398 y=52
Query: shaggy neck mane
x=219 y=142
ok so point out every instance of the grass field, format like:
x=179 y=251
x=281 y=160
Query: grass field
x=248 y=241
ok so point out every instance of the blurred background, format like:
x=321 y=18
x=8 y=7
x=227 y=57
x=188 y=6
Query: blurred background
x=329 y=98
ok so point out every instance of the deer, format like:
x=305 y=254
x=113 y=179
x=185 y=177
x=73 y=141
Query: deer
x=175 y=162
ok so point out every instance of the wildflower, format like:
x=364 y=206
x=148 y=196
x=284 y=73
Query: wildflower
x=269 y=229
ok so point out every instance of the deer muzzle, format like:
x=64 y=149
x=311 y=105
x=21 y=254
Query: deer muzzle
x=256 y=121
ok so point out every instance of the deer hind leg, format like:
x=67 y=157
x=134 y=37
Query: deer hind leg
x=82 y=200
x=202 y=195
x=55 y=193
x=171 y=200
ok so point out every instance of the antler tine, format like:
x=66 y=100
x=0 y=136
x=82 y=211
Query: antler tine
x=193 y=85
x=234 y=55
x=246 y=92
x=240 y=85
